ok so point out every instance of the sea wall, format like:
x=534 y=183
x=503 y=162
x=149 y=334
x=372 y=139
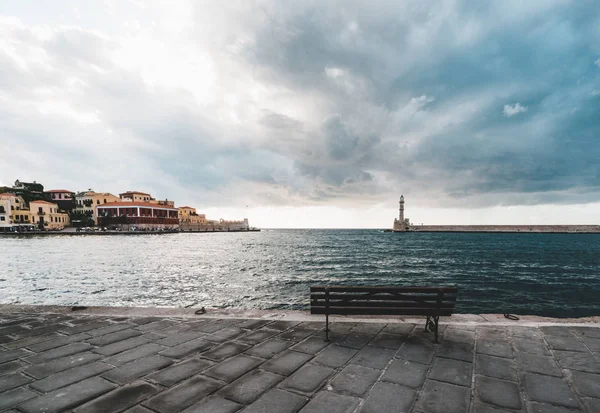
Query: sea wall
x=508 y=228
x=218 y=227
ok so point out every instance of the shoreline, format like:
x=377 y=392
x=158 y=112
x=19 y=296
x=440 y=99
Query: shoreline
x=536 y=229
x=107 y=233
x=294 y=315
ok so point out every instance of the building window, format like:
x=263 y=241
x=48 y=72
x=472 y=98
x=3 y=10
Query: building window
x=40 y=210
x=105 y=200
x=97 y=202
x=2 y=211
x=2 y=219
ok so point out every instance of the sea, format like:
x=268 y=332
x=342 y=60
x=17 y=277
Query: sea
x=553 y=275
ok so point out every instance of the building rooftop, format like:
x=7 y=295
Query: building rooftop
x=59 y=191
x=135 y=204
x=42 y=202
x=134 y=192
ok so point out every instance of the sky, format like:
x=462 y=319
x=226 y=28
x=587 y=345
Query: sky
x=313 y=113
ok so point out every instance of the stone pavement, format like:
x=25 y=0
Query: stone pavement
x=85 y=363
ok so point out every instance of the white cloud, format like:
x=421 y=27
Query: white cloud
x=202 y=103
x=595 y=92
x=514 y=109
x=597 y=62
x=334 y=72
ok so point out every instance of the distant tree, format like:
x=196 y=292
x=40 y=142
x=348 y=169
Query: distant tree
x=81 y=219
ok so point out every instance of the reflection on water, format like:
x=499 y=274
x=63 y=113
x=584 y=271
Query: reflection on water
x=544 y=274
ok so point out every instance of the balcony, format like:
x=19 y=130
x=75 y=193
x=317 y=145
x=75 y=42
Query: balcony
x=41 y=213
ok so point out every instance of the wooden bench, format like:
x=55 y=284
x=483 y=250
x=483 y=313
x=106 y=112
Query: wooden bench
x=432 y=302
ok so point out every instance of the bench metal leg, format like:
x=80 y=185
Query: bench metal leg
x=326 y=327
x=432 y=325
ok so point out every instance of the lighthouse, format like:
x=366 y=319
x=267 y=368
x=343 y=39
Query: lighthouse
x=402 y=209
x=401 y=224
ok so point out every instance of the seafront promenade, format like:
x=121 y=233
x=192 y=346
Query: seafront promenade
x=170 y=360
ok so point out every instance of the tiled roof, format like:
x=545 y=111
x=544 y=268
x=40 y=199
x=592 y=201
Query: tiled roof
x=42 y=202
x=134 y=192
x=134 y=204
x=60 y=191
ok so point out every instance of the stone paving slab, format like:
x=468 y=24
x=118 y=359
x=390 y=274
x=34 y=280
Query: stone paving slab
x=167 y=364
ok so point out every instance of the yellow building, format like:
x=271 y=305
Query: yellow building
x=88 y=201
x=163 y=202
x=188 y=215
x=45 y=215
x=14 y=215
x=5 y=211
x=135 y=196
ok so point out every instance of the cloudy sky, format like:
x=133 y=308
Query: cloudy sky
x=311 y=113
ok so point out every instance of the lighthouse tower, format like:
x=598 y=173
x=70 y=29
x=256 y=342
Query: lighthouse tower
x=400 y=224
x=402 y=209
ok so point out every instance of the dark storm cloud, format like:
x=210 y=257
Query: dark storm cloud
x=533 y=126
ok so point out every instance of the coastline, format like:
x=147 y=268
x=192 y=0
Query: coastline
x=107 y=233
x=293 y=315
x=512 y=229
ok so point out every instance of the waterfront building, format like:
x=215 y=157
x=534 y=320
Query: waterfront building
x=138 y=215
x=47 y=216
x=62 y=197
x=16 y=215
x=86 y=202
x=5 y=212
x=165 y=202
x=59 y=195
x=136 y=196
x=188 y=215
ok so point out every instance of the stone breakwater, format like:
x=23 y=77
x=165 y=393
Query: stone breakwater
x=569 y=229
x=87 y=362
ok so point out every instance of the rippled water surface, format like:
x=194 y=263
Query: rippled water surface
x=545 y=274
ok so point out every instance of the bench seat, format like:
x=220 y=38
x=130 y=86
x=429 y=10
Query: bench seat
x=431 y=302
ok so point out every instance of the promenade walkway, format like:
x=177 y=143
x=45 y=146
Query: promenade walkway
x=54 y=362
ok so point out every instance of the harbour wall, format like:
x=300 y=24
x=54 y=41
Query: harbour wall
x=569 y=229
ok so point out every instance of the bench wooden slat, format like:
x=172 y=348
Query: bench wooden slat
x=380 y=311
x=383 y=297
x=364 y=303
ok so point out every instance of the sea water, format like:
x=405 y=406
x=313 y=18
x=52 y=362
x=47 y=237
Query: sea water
x=555 y=275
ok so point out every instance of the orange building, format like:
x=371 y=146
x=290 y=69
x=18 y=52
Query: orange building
x=47 y=216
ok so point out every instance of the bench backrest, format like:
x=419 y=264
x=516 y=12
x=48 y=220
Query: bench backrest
x=382 y=300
